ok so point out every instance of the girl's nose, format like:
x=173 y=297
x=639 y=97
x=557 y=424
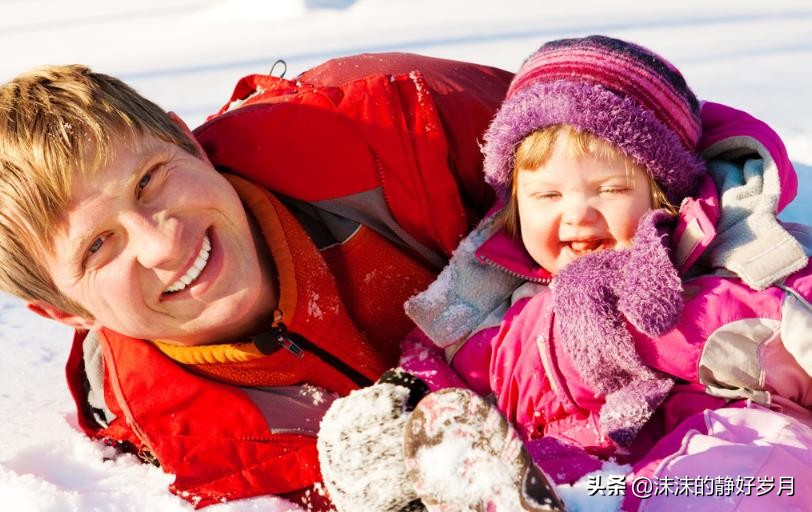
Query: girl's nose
x=577 y=211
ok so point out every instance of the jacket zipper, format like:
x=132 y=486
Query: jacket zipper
x=279 y=336
x=539 y=280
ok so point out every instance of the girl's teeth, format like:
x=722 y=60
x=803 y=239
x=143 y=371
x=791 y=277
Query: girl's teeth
x=588 y=245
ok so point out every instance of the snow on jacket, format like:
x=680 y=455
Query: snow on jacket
x=742 y=334
x=363 y=174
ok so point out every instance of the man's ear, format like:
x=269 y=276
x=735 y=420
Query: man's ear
x=54 y=313
x=185 y=129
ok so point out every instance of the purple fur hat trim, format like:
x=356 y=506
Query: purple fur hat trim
x=594 y=108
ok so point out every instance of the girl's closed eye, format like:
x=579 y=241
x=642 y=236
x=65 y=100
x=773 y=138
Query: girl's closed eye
x=615 y=190
x=545 y=196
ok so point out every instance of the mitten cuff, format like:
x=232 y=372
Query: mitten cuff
x=628 y=409
x=399 y=377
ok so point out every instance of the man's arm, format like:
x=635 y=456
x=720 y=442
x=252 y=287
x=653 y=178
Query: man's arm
x=404 y=146
x=466 y=95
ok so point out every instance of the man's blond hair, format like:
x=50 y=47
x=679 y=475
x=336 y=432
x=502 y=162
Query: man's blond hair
x=58 y=122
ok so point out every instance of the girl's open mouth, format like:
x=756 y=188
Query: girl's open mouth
x=583 y=247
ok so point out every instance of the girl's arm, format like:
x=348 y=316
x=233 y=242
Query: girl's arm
x=738 y=342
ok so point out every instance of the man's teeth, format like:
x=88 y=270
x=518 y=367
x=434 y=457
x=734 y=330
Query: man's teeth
x=196 y=268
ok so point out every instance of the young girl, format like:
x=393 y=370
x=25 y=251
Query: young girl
x=585 y=306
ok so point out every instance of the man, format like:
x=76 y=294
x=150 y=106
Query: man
x=226 y=285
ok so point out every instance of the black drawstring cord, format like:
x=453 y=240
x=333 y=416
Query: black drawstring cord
x=284 y=68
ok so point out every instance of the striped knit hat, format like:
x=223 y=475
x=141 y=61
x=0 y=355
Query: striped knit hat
x=619 y=91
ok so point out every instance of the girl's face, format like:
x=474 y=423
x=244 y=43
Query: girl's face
x=572 y=206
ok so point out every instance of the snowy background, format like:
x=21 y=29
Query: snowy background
x=187 y=55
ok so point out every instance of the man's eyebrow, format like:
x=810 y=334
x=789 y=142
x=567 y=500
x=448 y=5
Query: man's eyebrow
x=149 y=152
x=75 y=254
x=75 y=251
x=76 y=244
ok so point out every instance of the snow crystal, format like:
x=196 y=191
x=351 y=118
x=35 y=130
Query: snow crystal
x=238 y=103
x=438 y=291
x=370 y=277
x=481 y=475
x=313 y=308
x=418 y=85
x=316 y=394
x=320 y=489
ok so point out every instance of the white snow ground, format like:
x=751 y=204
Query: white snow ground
x=187 y=54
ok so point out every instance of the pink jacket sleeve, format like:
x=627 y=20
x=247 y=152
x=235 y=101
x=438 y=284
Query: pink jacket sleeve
x=422 y=358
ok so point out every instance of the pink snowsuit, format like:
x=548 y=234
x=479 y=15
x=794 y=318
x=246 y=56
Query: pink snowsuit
x=741 y=352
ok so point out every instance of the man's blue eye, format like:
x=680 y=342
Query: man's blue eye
x=95 y=246
x=144 y=181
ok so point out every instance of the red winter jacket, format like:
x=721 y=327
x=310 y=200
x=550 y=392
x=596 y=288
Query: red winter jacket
x=383 y=146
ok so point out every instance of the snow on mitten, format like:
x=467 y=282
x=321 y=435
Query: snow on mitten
x=360 y=446
x=626 y=410
x=463 y=455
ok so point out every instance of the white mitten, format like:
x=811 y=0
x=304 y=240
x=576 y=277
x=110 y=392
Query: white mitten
x=361 y=447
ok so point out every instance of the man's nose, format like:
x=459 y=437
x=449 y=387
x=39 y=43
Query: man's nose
x=155 y=239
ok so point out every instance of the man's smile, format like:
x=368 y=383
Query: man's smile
x=195 y=269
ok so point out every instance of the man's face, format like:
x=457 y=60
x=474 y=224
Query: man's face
x=157 y=245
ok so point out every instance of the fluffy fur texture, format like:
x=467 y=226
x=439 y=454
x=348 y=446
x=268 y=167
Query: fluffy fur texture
x=596 y=109
x=650 y=288
x=617 y=90
x=464 y=293
x=593 y=298
x=360 y=447
x=621 y=66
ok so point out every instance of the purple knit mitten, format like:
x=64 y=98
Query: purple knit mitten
x=594 y=296
x=650 y=291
